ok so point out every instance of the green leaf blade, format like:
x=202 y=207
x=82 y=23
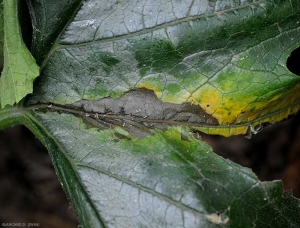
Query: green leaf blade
x=230 y=61
x=160 y=180
x=20 y=68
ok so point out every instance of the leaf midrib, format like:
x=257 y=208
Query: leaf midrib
x=142 y=188
x=57 y=46
x=161 y=26
x=59 y=108
x=164 y=25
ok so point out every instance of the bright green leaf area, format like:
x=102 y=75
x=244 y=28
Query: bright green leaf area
x=228 y=58
x=20 y=68
x=118 y=180
x=1 y=33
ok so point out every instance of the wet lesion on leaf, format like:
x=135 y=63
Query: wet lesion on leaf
x=142 y=104
x=139 y=111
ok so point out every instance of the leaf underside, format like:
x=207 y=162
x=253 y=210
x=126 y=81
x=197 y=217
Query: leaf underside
x=20 y=68
x=126 y=85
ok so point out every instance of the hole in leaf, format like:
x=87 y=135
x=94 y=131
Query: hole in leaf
x=293 y=62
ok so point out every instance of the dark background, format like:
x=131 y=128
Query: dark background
x=29 y=189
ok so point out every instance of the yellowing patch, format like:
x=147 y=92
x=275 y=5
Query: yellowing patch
x=151 y=86
x=235 y=110
x=208 y=98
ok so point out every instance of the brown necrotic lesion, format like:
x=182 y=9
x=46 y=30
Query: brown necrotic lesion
x=142 y=104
